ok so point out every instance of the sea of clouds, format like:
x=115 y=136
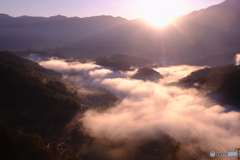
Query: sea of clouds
x=148 y=108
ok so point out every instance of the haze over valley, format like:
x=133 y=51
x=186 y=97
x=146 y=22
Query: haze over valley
x=111 y=88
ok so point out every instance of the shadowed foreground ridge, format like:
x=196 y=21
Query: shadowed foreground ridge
x=34 y=101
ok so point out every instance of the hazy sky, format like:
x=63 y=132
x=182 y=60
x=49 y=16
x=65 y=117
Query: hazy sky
x=84 y=8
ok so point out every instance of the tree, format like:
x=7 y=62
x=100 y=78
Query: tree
x=176 y=152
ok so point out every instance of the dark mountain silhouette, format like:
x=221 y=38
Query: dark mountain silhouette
x=35 y=108
x=131 y=60
x=121 y=62
x=206 y=37
x=147 y=74
x=32 y=98
x=57 y=31
x=198 y=37
x=222 y=81
x=114 y=65
x=216 y=26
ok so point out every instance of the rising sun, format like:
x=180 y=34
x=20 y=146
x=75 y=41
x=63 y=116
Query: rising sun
x=159 y=13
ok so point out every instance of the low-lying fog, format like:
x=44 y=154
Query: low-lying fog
x=148 y=108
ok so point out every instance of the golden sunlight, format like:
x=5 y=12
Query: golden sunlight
x=159 y=13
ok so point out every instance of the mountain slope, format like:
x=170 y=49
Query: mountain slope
x=121 y=62
x=216 y=26
x=35 y=108
x=196 y=38
x=223 y=81
x=32 y=98
x=57 y=31
x=147 y=74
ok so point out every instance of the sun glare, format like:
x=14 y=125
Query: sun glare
x=159 y=13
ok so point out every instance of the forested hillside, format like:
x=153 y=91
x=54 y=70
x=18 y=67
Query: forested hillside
x=33 y=104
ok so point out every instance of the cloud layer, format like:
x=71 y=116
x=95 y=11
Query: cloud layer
x=237 y=59
x=149 y=108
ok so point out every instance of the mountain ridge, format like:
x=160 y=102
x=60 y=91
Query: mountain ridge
x=202 y=32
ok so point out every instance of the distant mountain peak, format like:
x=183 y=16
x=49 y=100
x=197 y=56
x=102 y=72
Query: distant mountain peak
x=58 y=17
x=231 y=2
x=24 y=16
x=4 y=16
